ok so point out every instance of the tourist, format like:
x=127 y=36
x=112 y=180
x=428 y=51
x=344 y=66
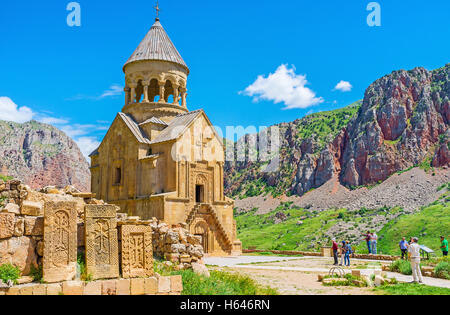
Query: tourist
x=373 y=241
x=444 y=246
x=368 y=237
x=404 y=248
x=348 y=252
x=335 y=252
x=342 y=253
x=414 y=253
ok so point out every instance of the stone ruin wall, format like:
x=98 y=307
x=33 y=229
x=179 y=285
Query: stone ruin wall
x=32 y=223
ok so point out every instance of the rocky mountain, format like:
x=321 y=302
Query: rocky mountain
x=402 y=122
x=41 y=155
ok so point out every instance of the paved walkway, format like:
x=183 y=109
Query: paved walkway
x=250 y=262
x=233 y=261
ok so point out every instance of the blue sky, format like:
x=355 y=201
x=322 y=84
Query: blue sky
x=70 y=76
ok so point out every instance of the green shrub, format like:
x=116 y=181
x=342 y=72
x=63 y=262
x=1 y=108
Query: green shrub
x=442 y=270
x=82 y=266
x=36 y=273
x=9 y=272
x=220 y=283
x=401 y=266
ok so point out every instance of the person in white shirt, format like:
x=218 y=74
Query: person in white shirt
x=414 y=254
x=373 y=241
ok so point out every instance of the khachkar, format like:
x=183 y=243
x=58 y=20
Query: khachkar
x=137 y=250
x=102 y=254
x=60 y=241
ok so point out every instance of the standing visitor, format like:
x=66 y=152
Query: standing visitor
x=368 y=237
x=335 y=252
x=414 y=252
x=348 y=252
x=374 y=241
x=404 y=248
x=342 y=253
x=444 y=246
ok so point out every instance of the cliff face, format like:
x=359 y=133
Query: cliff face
x=41 y=155
x=402 y=122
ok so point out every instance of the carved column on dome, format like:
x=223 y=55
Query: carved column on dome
x=176 y=95
x=127 y=95
x=133 y=87
x=162 y=88
x=183 y=97
x=146 y=84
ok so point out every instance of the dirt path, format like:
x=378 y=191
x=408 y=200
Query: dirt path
x=297 y=283
x=298 y=276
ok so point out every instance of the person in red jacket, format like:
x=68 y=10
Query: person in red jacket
x=335 y=252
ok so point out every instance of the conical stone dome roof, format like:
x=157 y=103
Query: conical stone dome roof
x=157 y=46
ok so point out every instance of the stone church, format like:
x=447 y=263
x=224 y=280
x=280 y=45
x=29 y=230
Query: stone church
x=158 y=159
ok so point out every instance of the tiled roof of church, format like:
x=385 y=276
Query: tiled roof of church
x=177 y=126
x=155 y=121
x=157 y=46
x=134 y=128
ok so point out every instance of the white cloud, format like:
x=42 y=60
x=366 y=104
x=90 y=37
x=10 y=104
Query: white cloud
x=9 y=111
x=77 y=130
x=53 y=121
x=344 y=86
x=283 y=86
x=113 y=90
x=87 y=145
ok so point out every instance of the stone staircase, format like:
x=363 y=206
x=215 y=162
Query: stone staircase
x=224 y=235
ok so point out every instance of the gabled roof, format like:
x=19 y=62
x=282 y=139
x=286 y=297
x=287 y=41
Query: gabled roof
x=177 y=126
x=157 y=46
x=172 y=132
x=94 y=153
x=134 y=128
x=154 y=120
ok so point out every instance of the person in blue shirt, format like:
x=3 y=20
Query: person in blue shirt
x=348 y=252
x=404 y=248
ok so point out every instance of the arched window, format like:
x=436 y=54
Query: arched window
x=168 y=91
x=139 y=91
x=153 y=90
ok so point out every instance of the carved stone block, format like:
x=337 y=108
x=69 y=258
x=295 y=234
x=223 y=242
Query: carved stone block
x=7 y=225
x=60 y=241
x=137 y=251
x=102 y=253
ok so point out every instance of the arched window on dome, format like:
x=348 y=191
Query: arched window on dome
x=168 y=91
x=153 y=91
x=139 y=91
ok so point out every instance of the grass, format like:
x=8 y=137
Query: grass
x=260 y=231
x=271 y=254
x=220 y=283
x=5 y=178
x=411 y=289
x=427 y=224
